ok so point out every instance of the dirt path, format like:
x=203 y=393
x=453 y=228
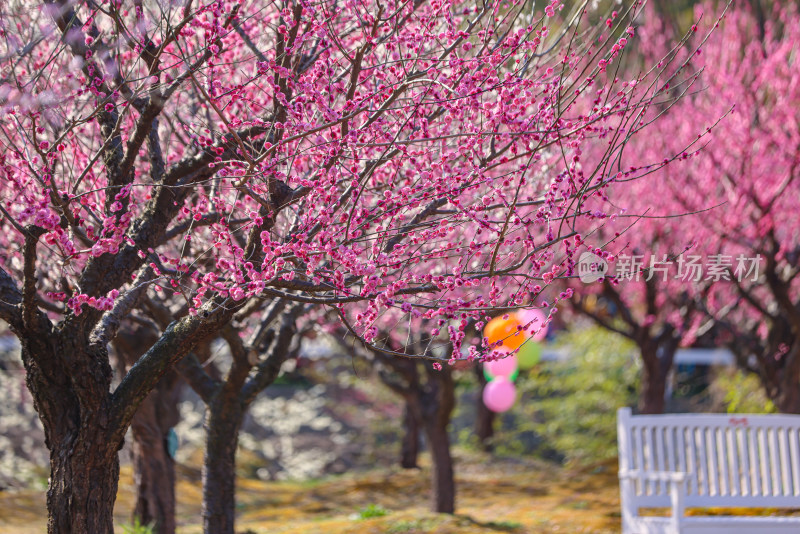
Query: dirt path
x=494 y=496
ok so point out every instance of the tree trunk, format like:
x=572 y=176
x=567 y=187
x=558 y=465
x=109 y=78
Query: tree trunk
x=409 y=449
x=484 y=417
x=223 y=420
x=74 y=405
x=657 y=354
x=84 y=476
x=153 y=467
x=653 y=388
x=431 y=404
x=226 y=403
x=444 y=486
x=787 y=395
x=437 y=403
x=789 y=401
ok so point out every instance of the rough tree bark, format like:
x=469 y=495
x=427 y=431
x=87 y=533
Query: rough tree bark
x=69 y=377
x=223 y=420
x=79 y=433
x=84 y=474
x=84 y=470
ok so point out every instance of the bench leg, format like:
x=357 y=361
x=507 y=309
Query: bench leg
x=626 y=496
x=676 y=493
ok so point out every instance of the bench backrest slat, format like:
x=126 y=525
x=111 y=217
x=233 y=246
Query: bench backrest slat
x=773 y=464
x=680 y=446
x=750 y=440
x=751 y=461
x=763 y=472
x=693 y=484
x=745 y=454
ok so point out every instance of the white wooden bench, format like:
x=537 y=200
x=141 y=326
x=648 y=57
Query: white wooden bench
x=685 y=461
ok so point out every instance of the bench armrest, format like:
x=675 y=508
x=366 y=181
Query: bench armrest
x=677 y=490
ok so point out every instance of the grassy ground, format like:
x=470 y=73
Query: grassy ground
x=494 y=495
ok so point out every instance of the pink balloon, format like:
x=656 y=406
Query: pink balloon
x=499 y=394
x=533 y=320
x=504 y=367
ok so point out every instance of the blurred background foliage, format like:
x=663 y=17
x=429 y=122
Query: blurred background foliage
x=571 y=405
x=566 y=410
x=740 y=392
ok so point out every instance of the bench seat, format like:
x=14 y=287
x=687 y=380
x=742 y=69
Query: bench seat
x=722 y=524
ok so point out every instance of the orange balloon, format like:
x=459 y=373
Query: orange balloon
x=505 y=330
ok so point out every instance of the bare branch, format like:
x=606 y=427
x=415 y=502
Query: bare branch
x=201 y=382
x=108 y=326
x=10 y=301
x=268 y=369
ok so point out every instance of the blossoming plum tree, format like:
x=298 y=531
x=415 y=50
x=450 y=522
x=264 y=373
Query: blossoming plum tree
x=414 y=157
x=750 y=170
x=746 y=288
x=650 y=296
x=654 y=289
